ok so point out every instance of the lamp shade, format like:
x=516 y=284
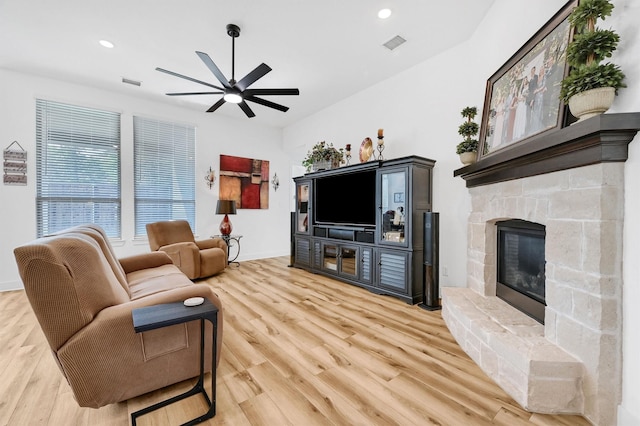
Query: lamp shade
x=226 y=207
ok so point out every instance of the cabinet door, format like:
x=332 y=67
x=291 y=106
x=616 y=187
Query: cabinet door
x=393 y=270
x=303 y=252
x=316 y=254
x=366 y=265
x=349 y=261
x=394 y=214
x=329 y=257
x=303 y=207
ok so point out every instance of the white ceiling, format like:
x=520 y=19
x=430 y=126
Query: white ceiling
x=328 y=49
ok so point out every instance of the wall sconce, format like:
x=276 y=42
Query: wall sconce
x=275 y=182
x=210 y=177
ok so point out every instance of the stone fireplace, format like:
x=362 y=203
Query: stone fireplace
x=572 y=363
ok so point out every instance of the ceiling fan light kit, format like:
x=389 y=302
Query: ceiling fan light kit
x=233 y=91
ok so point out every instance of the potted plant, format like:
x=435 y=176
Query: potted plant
x=323 y=156
x=468 y=148
x=591 y=86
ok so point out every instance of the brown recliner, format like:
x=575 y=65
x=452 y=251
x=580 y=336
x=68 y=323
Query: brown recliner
x=196 y=259
x=83 y=297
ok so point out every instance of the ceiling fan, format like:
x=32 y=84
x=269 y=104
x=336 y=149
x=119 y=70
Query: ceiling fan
x=233 y=91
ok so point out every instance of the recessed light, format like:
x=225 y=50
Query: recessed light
x=106 y=43
x=384 y=13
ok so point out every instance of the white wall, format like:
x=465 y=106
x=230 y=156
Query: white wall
x=420 y=112
x=215 y=135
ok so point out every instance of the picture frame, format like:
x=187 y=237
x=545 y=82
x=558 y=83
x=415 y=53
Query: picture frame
x=398 y=197
x=522 y=98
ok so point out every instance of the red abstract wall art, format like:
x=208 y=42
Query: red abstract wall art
x=244 y=180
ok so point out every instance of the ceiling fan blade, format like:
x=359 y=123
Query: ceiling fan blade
x=252 y=92
x=267 y=103
x=216 y=105
x=194 y=93
x=243 y=105
x=175 y=74
x=257 y=73
x=214 y=68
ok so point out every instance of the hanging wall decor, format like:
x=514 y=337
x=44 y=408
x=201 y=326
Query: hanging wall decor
x=15 y=164
x=210 y=177
x=244 y=180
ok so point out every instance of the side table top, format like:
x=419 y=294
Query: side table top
x=166 y=314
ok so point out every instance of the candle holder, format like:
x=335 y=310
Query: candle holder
x=380 y=147
x=348 y=153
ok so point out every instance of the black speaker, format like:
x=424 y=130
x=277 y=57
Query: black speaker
x=430 y=285
x=292 y=255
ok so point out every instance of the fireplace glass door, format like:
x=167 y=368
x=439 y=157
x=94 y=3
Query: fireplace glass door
x=521 y=266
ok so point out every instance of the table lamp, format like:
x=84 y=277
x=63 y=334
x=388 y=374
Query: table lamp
x=226 y=207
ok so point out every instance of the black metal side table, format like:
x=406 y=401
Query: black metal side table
x=158 y=316
x=232 y=241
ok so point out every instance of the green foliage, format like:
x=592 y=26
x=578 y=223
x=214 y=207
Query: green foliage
x=323 y=152
x=468 y=129
x=588 y=11
x=589 y=47
x=467 y=145
x=469 y=113
x=592 y=46
x=589 y=77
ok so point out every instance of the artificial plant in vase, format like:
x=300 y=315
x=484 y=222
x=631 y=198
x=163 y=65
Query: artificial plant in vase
x=591 y=86
x=323 y=156
x=468 y=148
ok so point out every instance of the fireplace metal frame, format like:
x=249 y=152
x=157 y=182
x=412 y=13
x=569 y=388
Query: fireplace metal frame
x=528 y=305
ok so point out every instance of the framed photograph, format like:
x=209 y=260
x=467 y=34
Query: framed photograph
x=398 y=197
x=522 y=97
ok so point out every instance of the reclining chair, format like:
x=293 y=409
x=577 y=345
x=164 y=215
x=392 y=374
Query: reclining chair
x=83 y=298
x=196 y=259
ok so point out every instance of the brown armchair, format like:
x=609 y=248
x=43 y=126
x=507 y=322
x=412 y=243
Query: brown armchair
x=83 y=296
x=196 y=259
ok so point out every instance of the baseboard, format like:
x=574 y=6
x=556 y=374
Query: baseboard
x=11 y=285
x=626 y=418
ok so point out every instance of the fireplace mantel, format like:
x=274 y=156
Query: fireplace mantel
x=600 y=139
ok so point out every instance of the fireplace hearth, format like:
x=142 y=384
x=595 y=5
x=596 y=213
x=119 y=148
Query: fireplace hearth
x=521 y=266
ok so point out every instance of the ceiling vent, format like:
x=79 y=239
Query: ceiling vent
x=132 y=82
x=394 y=42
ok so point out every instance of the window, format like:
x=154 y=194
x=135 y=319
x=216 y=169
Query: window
x=164 y=172
x=78 y=167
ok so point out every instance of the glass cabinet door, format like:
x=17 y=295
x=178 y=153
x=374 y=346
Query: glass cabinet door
x=302 y=208
x=330 y=257
x=349 y=261
x=393 y=192
x=341 y=260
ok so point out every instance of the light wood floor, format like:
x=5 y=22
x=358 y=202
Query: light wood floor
x=299 y=349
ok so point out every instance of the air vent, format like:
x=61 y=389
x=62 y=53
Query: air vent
x=394 y=42
x=133 y=82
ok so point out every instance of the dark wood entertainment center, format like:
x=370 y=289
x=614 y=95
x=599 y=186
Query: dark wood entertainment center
x=372 y=235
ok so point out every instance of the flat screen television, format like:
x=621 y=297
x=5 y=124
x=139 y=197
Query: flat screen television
x=346 y=199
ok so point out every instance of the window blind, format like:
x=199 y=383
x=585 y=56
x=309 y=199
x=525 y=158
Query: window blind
x=78 y=167
x=164 y=172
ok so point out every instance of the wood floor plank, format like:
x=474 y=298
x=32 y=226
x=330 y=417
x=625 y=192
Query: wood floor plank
x=298 y=349
x=262 y=410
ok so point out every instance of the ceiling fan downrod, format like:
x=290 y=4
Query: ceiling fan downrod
x=233 y=31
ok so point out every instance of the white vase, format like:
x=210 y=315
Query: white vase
x=591 y=102
x=468 y=158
